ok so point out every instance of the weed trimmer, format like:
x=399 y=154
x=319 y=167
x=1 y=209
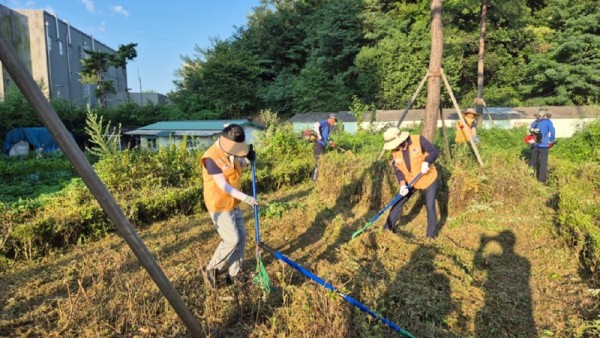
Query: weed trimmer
x=261 y=277
x=396 y=199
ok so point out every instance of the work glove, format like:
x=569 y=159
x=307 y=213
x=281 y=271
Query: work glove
x=332 y=144
x=251 y=156
x=403 y=190
x=251 y=201
x=475 y=139
x=424 y=167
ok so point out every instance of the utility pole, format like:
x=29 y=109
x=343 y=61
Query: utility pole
x=140 y=79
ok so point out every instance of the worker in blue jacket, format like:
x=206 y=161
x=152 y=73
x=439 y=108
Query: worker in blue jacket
x=322 y=130
x=542 y=136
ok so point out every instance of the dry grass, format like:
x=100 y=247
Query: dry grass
x=495 y=269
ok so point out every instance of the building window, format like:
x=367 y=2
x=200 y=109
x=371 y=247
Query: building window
x=151 y=142
x=60 y=47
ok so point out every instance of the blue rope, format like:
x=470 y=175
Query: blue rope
x=349 y=299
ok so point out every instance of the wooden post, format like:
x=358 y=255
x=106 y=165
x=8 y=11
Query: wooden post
x=407 y=108
x=462 y=119
x=50 y=119
x=446 y=144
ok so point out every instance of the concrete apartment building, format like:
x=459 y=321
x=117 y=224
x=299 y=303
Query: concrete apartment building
x=52 y=51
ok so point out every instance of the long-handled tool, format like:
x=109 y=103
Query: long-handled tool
x=397 y=198
x=261 y=278
x=330 y=287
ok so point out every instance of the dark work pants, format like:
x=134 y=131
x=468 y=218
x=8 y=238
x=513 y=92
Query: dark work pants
x=539 y=162
x=318 y=150
x=430 y=194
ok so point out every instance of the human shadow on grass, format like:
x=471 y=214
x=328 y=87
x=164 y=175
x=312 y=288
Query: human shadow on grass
x=347 y=199
x=508 y=306
x=418 y=299
x=378 y=175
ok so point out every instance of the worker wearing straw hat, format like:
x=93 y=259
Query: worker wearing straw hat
x=411 y=155
x=222 y=165
x=471 y=119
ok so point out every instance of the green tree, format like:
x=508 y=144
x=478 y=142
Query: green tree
x=96 y=64
x=222 y=79
x=16 y=112
x=564 y=67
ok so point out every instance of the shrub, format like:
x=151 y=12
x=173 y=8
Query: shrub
x=578 y=218
x=582 y=146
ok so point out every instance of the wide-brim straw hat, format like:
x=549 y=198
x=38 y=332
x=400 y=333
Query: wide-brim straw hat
x=393 y=137
x=232 y=141
x=471 y=111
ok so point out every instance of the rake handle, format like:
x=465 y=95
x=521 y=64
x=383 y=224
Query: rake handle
x=337 y=291
x=396 y=198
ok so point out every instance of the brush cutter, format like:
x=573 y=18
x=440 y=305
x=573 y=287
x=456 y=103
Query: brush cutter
x=397 y=198
x=261 y=278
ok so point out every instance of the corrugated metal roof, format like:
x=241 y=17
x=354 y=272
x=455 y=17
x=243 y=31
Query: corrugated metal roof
x=194 y=125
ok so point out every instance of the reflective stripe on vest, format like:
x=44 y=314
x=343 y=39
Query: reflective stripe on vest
x=215 y=198
x=417 y=156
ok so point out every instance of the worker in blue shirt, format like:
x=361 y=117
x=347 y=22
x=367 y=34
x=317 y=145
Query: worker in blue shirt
x=542 y=136
x=322 y=130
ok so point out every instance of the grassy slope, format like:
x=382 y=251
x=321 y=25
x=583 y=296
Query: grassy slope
x=470 y=281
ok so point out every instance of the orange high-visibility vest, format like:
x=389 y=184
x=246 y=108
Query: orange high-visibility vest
x=461 y=136
x=417 y=156
x=214 y=197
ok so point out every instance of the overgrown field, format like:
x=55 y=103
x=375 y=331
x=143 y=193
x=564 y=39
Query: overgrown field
x=514 y=257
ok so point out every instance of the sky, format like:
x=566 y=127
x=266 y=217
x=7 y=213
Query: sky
x=163 y=30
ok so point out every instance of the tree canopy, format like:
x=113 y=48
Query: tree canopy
x=296 y=56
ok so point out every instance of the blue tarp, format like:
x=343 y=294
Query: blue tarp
x=39 y=137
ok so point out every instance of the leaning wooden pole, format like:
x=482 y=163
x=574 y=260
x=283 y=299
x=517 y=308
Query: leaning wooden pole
x=461 y=117
x=407 y=108
x=50 y=119
x=412 y=101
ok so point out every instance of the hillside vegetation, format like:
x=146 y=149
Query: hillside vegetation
x=514 y=257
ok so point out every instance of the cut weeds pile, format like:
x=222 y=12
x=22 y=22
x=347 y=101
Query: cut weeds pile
x=495 y=269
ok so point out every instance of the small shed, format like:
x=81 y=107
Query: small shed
x=200 y=134
x=20 y=141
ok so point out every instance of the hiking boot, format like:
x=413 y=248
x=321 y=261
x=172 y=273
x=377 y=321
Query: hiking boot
x=210 y=277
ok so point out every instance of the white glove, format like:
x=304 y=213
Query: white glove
x=403 y=190
x=424 y=167
x=251 y=201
